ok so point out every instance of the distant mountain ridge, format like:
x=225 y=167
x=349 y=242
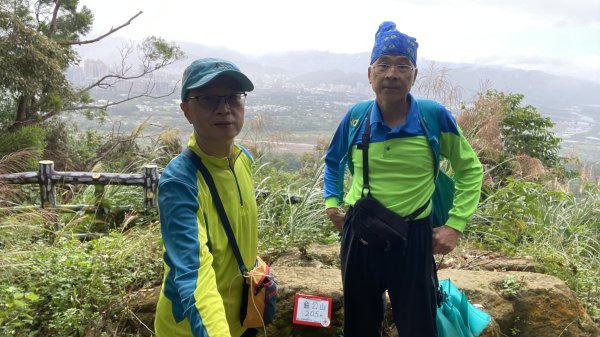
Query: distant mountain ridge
x=538 y=87
x=313 y=67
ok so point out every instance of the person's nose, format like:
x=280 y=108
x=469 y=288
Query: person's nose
x=393 y=72
x=223 y=106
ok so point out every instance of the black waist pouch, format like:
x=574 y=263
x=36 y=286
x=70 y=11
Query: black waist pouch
x=376 y=226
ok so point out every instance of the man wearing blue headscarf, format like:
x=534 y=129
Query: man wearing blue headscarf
x=387 y=237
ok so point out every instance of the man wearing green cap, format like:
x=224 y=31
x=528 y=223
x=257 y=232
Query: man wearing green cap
x=389 y=243
x=202 y=286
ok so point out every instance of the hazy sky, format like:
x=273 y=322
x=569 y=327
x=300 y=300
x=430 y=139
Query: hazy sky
x=557 y=36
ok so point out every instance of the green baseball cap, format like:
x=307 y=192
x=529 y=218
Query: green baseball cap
x=202 y=71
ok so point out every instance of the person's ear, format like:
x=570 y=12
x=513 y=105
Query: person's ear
x=185 y=107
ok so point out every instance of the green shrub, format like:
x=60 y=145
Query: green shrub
x=74 y=288
x=117 y=206
x=526 y=131
x=511 y=287
x=30 y=137
x=17 y=310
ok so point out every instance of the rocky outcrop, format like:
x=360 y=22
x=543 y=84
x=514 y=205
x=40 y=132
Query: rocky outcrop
x=521 y=303
x=525 y=304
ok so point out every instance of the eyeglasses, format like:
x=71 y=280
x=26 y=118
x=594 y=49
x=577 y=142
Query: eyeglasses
x=384 y=67
x=212 y=102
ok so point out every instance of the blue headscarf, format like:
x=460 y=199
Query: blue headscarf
x=389 y=41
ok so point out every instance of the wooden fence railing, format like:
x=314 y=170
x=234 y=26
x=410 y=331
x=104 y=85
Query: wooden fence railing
x=47 y=179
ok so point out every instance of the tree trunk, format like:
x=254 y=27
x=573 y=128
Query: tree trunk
x=21 y=115
x=53 y=22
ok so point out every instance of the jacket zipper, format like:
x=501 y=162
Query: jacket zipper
x=237 y=184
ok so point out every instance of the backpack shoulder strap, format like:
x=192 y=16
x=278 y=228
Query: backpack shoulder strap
x=429 y=115
x=357 y=117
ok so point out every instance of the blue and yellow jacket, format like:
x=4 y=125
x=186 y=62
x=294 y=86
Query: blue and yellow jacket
x=401 y=165
x=202 y=286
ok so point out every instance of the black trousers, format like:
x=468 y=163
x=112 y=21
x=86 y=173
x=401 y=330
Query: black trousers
x=407 y=275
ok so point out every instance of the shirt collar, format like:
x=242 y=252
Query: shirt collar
x=221 y=162
x=413 y=112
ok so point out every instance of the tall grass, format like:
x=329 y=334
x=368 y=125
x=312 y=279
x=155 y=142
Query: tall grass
x=284 y=223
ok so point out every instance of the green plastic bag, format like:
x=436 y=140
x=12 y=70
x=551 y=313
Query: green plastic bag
x=456 y=316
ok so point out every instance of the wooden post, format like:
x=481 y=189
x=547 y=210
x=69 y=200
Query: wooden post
x=98 y=193
x=45 y=171
x=150 y=185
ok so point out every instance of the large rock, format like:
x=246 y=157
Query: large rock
x=522 y=304
x=526 y=304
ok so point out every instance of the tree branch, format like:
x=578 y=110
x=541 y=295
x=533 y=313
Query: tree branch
x=111 y=31
x=51 y=114
x=101 y=84
x=129 y=98
x=115 y=141
x=124 y=73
